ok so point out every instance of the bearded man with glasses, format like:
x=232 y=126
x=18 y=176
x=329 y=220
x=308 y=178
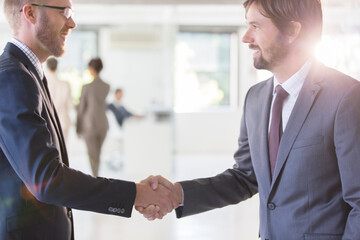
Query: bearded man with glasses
x=37 y=186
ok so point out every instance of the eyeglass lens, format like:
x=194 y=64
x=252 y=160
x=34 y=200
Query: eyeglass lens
x=68 y=12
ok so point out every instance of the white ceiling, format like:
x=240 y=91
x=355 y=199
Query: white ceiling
x=163 y=2
x=207 y=2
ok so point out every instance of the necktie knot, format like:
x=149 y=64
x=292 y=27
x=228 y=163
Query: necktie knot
x=281 y=93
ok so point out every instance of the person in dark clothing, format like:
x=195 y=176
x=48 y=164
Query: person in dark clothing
x=119 y=111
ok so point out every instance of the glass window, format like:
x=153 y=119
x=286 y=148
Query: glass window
x=205 y=71
x=81 y=46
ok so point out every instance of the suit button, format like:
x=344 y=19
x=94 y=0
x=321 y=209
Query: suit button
x=69 y=213
x=271 y=206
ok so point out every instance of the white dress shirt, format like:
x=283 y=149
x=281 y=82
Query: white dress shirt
x=292 y=86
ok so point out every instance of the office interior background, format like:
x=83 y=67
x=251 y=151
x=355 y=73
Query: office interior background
x=182 y=65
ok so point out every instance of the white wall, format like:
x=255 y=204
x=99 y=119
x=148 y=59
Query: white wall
x=206 y=133
x=130 y=66
x=5 y=34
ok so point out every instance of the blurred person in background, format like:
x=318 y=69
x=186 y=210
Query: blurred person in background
x=61 y=95
x=119 y=110
x=92 y=123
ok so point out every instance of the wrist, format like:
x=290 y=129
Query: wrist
x=179 y=193
x=138 y=196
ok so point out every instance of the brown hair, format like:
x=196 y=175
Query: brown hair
x=52 y=63
x=96 y=64
x=282 y=12
x=118 y=90
x=12 y=12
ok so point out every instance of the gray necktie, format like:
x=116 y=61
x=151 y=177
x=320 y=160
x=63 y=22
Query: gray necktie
x=276 y=126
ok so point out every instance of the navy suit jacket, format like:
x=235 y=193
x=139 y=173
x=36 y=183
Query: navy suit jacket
x=315 y=191
x=37 y=186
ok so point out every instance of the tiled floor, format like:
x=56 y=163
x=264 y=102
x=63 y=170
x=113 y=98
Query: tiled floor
x=230 y=223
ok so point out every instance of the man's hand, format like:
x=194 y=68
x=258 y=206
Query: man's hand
x=157 y=196
x=155 y=211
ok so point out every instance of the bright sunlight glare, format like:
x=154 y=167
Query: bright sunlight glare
x=340 y=51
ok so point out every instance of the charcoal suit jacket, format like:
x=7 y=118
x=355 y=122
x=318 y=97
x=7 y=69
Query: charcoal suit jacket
x=315 y=191
x=37 y=186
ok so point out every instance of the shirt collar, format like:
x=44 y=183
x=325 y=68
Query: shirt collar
x=294 y=84
x=30 y=55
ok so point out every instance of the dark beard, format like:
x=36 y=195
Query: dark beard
x=276 y=54
x=261 y=63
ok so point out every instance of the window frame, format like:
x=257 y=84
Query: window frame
x=233 y=67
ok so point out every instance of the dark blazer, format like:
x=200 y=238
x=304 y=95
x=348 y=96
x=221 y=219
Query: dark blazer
x=315 y=191
x=37 y=186
x=120 y=113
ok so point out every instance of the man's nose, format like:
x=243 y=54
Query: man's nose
x=246 y=38
x=71 y=23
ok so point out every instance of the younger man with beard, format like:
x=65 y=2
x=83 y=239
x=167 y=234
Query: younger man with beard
x=299 y=144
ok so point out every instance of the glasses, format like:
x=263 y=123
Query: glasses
x=68 y=12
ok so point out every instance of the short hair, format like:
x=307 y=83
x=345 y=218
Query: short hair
x=12 y=12
x=118 y=90
x=52 y=63
x=282 y=12
x=96 y=64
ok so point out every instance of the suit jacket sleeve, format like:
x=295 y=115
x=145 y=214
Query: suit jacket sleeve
x=230 y=187
x=347 y=145
x=31 y=145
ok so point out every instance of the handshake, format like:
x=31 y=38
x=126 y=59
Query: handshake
x=156 y=196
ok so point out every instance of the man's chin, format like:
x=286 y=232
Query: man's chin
x=261 y=64
x=59 y=52
x=257 y=65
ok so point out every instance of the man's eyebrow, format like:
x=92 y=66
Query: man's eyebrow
x=252 y=22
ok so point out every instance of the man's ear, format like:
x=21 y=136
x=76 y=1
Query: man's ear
x=293 y=31
x=29 y=13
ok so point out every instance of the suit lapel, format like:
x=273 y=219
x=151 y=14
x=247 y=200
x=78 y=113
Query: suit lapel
x=265 y=103
x=20 y=55
x=54 y=119
x=298 y=115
